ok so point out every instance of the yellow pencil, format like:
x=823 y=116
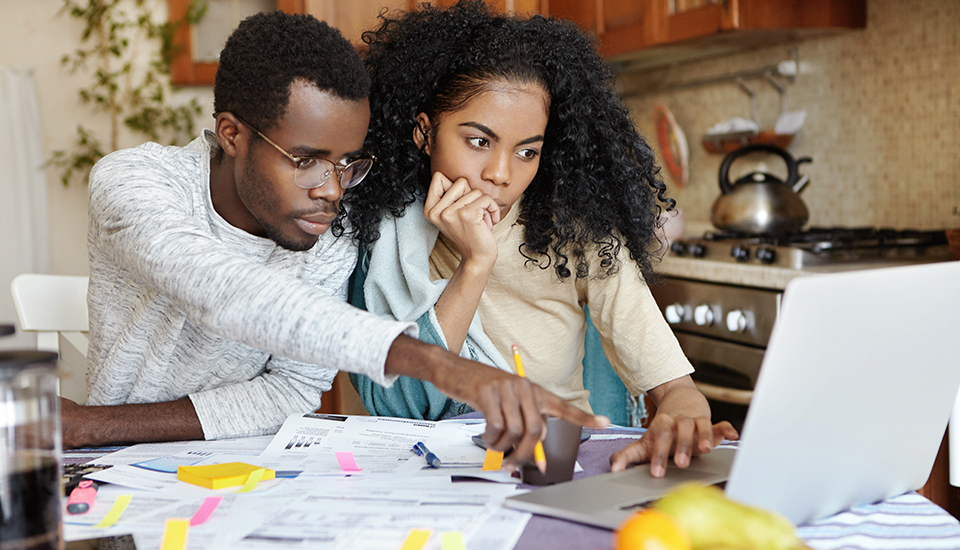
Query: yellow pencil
x=538 y=454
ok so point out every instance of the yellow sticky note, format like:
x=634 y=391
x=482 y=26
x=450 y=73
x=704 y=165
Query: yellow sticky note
x=253 y=479
x=452 y=540
x=218 y=476
x=115 y=512
x=175 y=534
x=416 y=539
x=493 y=460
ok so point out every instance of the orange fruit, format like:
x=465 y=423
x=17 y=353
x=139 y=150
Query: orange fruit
x=650 y=530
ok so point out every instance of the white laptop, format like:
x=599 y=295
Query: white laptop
x=851 y=404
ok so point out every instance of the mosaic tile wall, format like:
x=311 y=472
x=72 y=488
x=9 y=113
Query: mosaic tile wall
x=882 y=126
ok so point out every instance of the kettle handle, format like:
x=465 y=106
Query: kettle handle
x=792 y=171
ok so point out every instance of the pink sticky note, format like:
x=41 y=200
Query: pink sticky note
x=206 y=510
x=347 y=462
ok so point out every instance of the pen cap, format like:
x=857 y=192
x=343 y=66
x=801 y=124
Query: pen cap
x=561 y=447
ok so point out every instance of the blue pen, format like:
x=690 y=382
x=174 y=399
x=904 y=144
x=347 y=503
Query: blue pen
x=432 y=460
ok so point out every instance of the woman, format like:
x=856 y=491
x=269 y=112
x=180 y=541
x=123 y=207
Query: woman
x=512 y=191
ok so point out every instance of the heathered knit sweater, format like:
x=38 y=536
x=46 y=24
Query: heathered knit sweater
x=184 y=304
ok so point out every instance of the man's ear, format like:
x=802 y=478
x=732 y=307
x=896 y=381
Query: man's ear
x=227 y=130
x=422 y=132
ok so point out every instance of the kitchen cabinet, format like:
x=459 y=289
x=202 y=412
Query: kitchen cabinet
x=196 y=65
x=523 y=7
x=938 y=488
x=649 y=33
x=353 y=17
x=191 y=66
x=342 y=398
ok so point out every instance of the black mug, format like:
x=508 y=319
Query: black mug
x=560 y=447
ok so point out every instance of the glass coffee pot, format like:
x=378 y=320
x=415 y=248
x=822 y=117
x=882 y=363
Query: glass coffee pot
x=30 y=451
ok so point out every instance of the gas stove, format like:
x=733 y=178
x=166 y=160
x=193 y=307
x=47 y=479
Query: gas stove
x=818 y=246
x=724 y=328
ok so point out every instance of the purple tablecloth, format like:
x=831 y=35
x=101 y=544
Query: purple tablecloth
x=906 y=522
x=544 y=532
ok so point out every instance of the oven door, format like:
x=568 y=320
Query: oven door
x=723 y=330
x=725 y=373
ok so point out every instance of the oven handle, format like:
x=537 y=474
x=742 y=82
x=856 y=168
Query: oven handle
x=726 y=395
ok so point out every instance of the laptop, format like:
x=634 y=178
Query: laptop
x=854 y=394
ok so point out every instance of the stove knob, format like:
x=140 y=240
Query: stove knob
x=766 y=255
x=703 y=315
x=678 y=248
x=697 y=250
x=740 y=253
x=674 y=313
x=736 y=321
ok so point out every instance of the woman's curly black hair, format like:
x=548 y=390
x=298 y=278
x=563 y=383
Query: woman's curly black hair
x=597 y=182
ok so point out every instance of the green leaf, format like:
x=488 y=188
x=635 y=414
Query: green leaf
x=137 y=92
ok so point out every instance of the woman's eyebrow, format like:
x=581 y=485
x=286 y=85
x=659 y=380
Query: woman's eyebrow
x=483 y=128
x=493 y=135
x=531 y=139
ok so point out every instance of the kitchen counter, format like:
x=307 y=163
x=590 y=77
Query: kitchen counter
x=760 y=276
x=752 y=274
x=728 y=272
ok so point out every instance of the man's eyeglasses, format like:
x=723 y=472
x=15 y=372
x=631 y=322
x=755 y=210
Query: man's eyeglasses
x=313 y=172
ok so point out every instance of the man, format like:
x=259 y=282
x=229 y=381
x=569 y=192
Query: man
x=216 y=286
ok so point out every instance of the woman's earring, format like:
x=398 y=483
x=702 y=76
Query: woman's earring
x=426 y=139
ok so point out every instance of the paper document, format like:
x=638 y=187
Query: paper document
x=380 y=445
x=343 y=483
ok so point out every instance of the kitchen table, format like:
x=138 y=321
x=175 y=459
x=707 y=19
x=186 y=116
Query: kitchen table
x=907 y=522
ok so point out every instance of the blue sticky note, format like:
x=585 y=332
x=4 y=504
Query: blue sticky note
x=168 y=464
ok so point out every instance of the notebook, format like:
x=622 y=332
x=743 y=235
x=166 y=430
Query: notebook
x=857 y=384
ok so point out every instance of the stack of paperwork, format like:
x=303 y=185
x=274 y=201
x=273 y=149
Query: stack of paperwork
x=342 y=482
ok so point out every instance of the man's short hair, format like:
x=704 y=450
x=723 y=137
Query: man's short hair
x=268 y=51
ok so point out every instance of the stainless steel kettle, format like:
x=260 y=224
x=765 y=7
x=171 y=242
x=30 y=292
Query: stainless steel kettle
x=760 y=202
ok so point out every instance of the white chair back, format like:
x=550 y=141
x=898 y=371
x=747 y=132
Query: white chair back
x=55 y=307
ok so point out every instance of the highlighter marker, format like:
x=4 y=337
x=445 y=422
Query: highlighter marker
x=81 y=498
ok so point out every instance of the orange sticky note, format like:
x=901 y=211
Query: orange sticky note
x=416 y=539
x=493 y=460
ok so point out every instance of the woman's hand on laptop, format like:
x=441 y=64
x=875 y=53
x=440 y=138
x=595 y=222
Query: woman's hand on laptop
x=681 y=428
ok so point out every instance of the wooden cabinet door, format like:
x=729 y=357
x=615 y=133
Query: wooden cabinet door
x=353 y=17
x=619 y=25
x=702 y=20
x=624 y=26
x=185 y=70
x=524 y=7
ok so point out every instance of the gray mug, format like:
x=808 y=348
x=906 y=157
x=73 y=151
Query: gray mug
x=560 y=447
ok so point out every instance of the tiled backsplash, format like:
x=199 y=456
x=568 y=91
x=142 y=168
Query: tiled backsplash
x=882 y=126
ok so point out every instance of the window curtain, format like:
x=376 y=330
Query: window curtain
x=23 y=193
